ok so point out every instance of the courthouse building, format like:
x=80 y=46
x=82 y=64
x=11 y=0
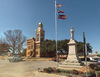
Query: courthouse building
x=33 y=44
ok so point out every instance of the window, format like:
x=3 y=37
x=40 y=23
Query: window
x=37 y=52
x=28 y=47
x=31 y=46
x=37 y=37
x=41 y=37
x=37 y=46
x=28 y=53
x=28 y=42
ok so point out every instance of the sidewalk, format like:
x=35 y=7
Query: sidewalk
x=41 y=59
x=39 y=74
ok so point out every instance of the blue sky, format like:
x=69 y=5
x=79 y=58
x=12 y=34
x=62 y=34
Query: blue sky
x=82 y=15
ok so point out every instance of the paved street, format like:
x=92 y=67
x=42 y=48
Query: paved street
x=23 y=68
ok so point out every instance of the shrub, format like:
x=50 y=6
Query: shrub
x=54 y=69
x=94 y=67
x=74 y=72
x=38 y=69
x=68 y=71
x=63 y=71
x=58 y=71
x=50 y=69
x=90 y=74
x=81 y=73
x=45 y=69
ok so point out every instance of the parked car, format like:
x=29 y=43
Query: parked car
x=83 y=59
x=15 y=58
x=54 y=59
x=98 y=60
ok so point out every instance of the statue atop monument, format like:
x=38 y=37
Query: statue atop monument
x=72 y=61
x=72 y=33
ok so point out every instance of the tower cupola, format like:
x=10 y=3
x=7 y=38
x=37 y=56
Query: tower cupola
x=40 y=24
x=40 y=32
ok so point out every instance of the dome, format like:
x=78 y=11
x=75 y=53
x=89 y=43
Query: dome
x=40 y=24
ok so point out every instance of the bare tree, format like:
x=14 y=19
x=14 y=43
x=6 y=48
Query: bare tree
x=4 y=48
x=15 y=39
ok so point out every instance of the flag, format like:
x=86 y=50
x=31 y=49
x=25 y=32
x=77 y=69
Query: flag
x=62 y=17
x=59 y=5
x=59 y=11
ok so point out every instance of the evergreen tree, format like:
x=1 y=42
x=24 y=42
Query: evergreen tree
x=48 y=47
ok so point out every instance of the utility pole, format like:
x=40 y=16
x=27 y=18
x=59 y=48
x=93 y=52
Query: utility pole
x=84 y=42
x=85 y=51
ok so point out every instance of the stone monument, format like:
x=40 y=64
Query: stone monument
x=72 y=61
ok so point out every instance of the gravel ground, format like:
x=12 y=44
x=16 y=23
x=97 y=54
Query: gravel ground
x=22 y=68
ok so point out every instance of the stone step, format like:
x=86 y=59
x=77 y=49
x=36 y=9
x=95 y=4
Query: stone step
x=72 y=55
x=68 y=68
x=71 y=66
x=72 y=61
x=77 y=64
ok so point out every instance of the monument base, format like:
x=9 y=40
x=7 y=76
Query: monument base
x=71 y=63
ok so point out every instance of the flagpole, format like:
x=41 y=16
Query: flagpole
x=56 y=32
x=85 y=53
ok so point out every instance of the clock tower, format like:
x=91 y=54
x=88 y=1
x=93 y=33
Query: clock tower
x=39 y=38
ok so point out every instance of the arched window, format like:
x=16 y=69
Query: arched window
x=31 y=46
x=37 y=37
x=28 y=47
x=28 y=53
x=42 y=37
x=37 y=46
x=37 y=53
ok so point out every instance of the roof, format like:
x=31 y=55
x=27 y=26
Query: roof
x=31 y=38
x=93 y=56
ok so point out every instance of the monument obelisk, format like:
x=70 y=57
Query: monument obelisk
x=72 y=56
x=72 y=61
